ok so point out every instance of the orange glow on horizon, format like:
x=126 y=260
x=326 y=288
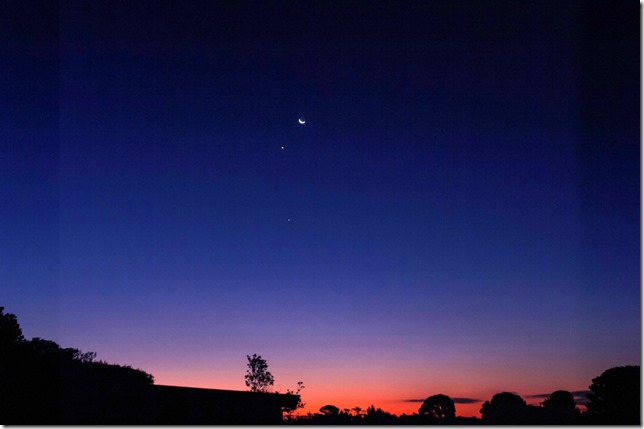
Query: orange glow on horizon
x=397 y=408
x=393 y=392
x=391 y=402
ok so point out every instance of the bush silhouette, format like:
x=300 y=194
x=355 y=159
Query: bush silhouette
x=377 y=416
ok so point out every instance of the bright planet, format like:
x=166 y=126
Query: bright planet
x=468 y=209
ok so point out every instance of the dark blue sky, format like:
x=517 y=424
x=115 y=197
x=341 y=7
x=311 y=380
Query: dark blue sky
x=466 y=185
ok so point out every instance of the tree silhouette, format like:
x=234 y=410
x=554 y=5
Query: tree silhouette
x=560 y=408
x=377 y=416
x=257 y=377
x=615 y=396
x=329 y=410
x=438 y=407
x=10 y=332
x=505 y=408
x=330 y=415
x=560 y=400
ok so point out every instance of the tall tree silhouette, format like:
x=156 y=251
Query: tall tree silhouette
x=257 y=377
x=615 y=396
x=438 y=407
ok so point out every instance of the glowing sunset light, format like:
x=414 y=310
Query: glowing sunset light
x=385 y=200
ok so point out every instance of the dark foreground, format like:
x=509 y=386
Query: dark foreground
x=43 y=383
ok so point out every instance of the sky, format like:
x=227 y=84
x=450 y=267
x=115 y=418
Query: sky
x=459 y=214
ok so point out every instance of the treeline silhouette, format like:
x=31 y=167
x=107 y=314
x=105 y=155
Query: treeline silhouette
x=43 y=383
x=614 y=399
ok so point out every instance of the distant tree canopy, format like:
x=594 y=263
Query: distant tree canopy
x=615 y=396
x=561 y=400
x=377 y=416
x=438 y=407
x=258 y=378
x=329 y=410
x=505 y=408
x=559 y=408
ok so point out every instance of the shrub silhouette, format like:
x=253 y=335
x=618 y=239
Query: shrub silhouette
x=331 y=415
x=299 y=404
x=376 y=416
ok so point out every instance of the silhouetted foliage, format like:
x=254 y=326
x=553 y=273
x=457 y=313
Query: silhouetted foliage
x=329 y=410
x=258 y=377
x=43 y=383
x=331 y=415
x=615 y=396
x=299 y=404
x=10 y=331
x=505 y=408
x=559 y=408
x=560 y=400
x=376 y=416
x=438 y=407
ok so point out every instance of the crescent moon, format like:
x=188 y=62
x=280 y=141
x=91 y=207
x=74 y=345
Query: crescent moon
x=301 y=121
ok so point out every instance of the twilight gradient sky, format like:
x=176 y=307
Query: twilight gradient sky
x=464 y=198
